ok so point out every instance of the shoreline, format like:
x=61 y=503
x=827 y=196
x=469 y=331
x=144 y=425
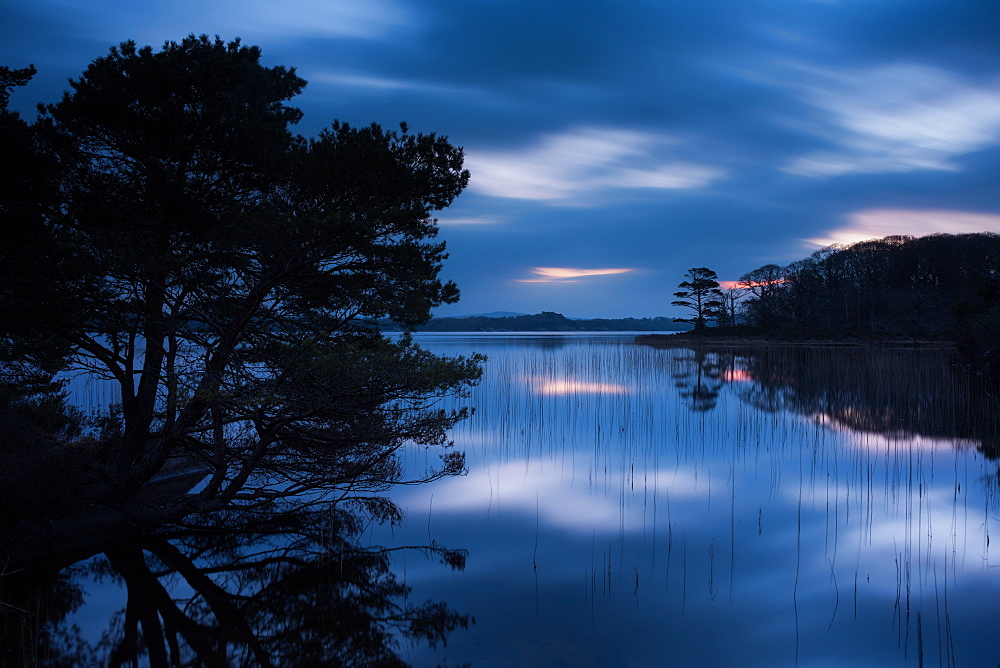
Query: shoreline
x=683 y=340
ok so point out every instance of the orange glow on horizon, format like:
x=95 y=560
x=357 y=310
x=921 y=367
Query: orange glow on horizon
x=736 y=375
x=729 y=285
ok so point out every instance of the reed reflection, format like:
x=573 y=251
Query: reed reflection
x=278 y=588
x=824 y=507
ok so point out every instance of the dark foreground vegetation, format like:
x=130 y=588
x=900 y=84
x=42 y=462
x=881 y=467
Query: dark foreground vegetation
x=166 y=232
x=940 y=287
x=234 y=588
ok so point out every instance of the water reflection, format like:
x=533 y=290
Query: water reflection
x=624 y=505
x=278 y=588
x=573 y=386
x=699 y=376
x=732 y=507
x=896 y=393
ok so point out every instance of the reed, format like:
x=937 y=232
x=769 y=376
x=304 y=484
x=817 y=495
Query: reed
x=852 y=465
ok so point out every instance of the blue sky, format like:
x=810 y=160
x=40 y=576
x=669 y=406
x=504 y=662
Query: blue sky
x=615 y=144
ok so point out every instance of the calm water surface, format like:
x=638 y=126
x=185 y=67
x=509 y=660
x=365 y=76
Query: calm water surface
x=629 y=505
x=624 y=505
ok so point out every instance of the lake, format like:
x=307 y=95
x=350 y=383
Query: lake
x=631 y=505
x=626 y=505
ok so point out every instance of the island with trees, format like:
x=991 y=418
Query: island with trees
x=546 y=321
x=939 y=288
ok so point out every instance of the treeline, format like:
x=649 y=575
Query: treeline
x=940 y=286
x=547 y=321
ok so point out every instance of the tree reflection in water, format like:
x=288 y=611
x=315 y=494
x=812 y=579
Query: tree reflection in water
x=279 y=588
x=875 y=390
x=698 y=376
x=885 y=391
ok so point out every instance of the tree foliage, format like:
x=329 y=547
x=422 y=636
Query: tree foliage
x=179 y=240
x=939 y=286
x=11 y=79
x=701 y=294
x=896 y=285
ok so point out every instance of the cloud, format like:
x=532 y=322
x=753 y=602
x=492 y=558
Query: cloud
x=302 y=18
x=375 y=83
x=364 y=81
x=471 y=220
x=254 y=20
x=878 y=223
x=897 y=118
x=566 y=168
x=567 y=274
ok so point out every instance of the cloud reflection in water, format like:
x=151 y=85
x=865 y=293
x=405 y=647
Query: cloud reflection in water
x=555 y=387
x=816 y=500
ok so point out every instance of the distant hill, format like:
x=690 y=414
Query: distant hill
x=494 y=314
x=547 y=321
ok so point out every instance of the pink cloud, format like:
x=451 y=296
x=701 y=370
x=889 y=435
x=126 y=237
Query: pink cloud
x=568 y=274
x=878 y=223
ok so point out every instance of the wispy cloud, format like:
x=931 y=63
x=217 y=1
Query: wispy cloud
x=254 y=20
x=377 y=83
x=472 y=220
x=898 y=118
x=297 y=18
x=878 y=223
x=363 y=81
x=568 y=167
x=567 y=274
